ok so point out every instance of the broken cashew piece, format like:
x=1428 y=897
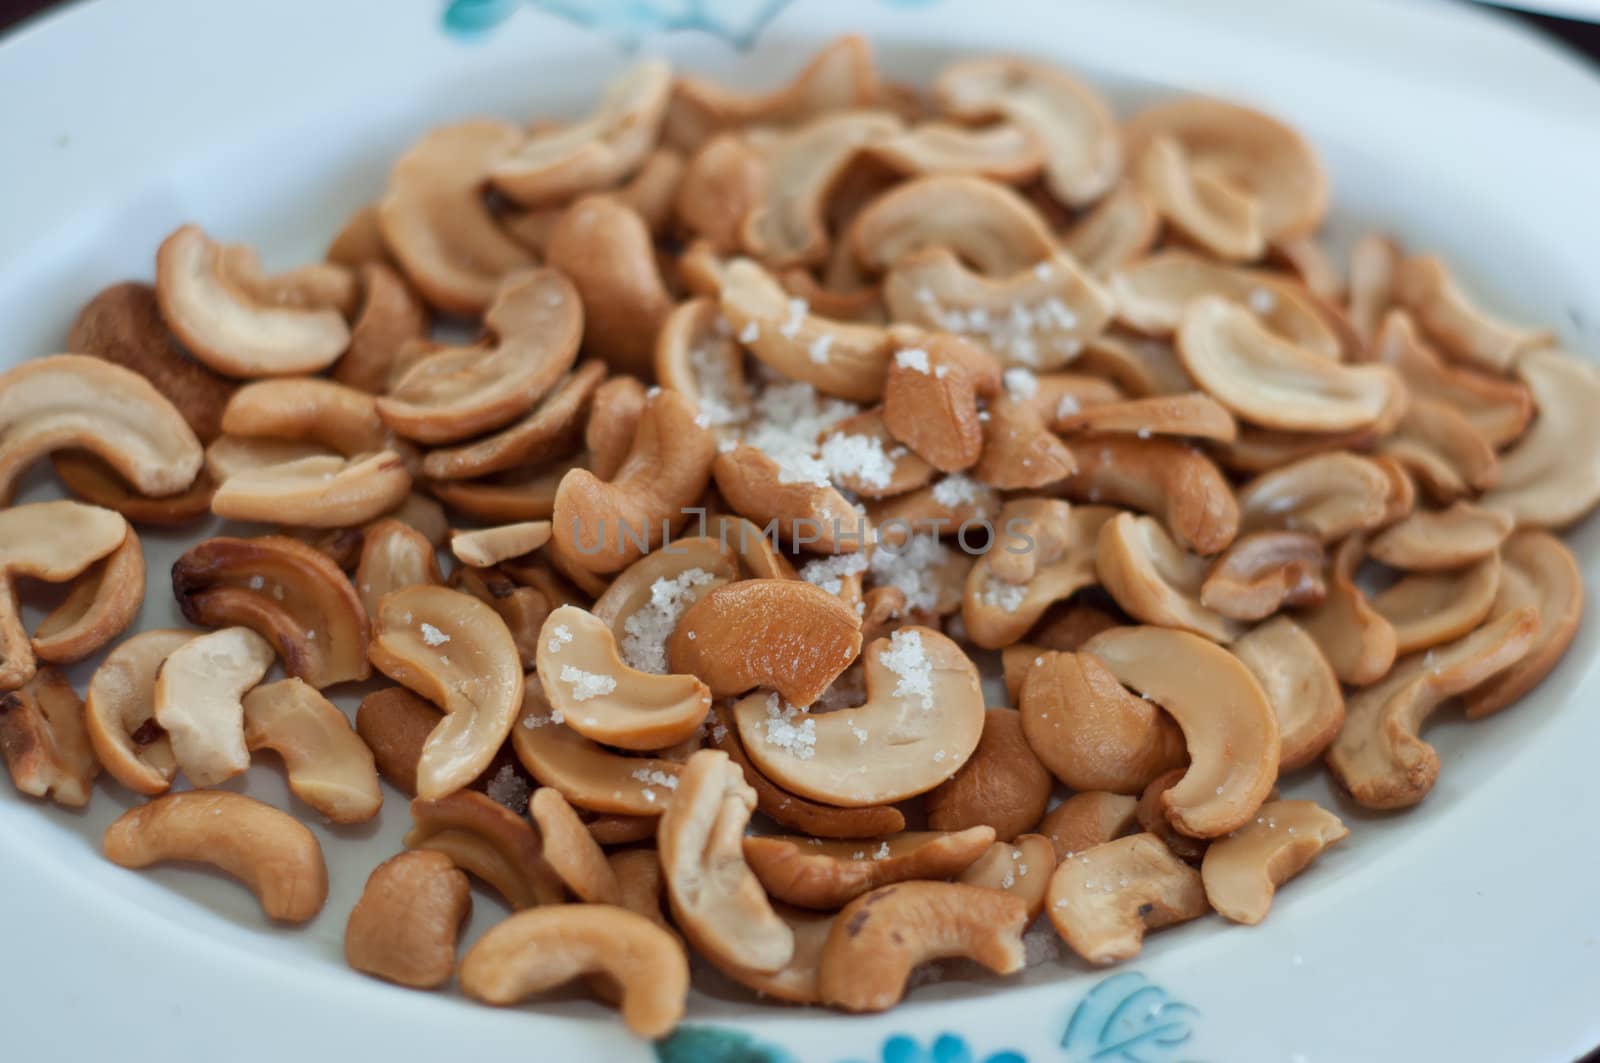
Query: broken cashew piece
x=1300 y=684
x=330 y=768
x=1103 y=900
x=985 y=223
x=1155 y=581
x=119 y=712
x=1498 y=408
x=545 y=433
x=1001 y=152
x=405 y=926
x=1162 y=477
x=1536 y=570
x=826 y=875
x=269 y=851
x=1003 y=784
x=198 y=692
x=1427 y=608
x=1120 y=228
x=1440 y=540
x=44 y=742
x=1007 y=592
x=1329 y=496
x=1262 y=572
x=1358 y=642
x=586 y=773
x=100 y=606
x=486 y=547
x=604 y=248
x=1088 y=819
x=1243 y=871
x=571 y=851
x=1208 y=209
x=486 y=839
x=1424 y=286
x=1551 y=476
x=760 y=489
x=1022 y=870
x=308 y=410
x=394 y=555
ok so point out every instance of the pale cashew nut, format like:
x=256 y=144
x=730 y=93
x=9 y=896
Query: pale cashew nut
x=1262 y=572
x=1162 y=477
x=1436 y=444
x=489 y=841
x=1243 y=871
x=1378 y=756
x=879 y=938
x=1103 y=900
x=646 y=601
x=604 y=247
x=586 y=773
x=1044 y=553
x=1358 y=642
x=1156 y=581
x=1088 y=819
x=1003 y=785
x=1208 y=209
x=1498 y=408
x=391 y=316
x=405 y=926
x=1373 y=262
x=1300 y=684
x=1423 y=285
x=1228 y=724
x=1022 y=870
x=100 y=606
x=1001 y=152
x=1191 y=414
x=540 y=949
x=1439 y=540
x=1551 y=477
x=1330 y=496
x=987 y=224
x=1119 y=229
x=1537 y=570
x=796 y=981
x=394 y=555
x=807 y=507
x=571 y=851
x=487 y=547
x=309 y=410
x=92 y=480
x=43 y=740
x=717 y=901
x=230 y=456
x=77 y=401
x=1019 y=450
x=198 y=701
x=548 y=431
x=329 y=767
x=826 y=875
x=269 y=851
x=1138 y=365
x=284 y=590
x=119 y=712
x=316 y=492
x=697 y=356
x=723 y=181
x=1427 y=608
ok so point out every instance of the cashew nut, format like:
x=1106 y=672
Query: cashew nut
x=44 y=742
x=1019 y=450
x=1088 y=819
x=1003 y=784
x=316 y=492
x=1435 y=443
x=1022 y=870
x=309 y=410
x=1427 y=608
x=197 y=698
x=646 y=601
x=1242 y=871
x=1001 y=152
x=1162 y=477
x=1044 y=553
x=1190 y=414
x=119 y=712
x=1498 y=408
x=405 y=926
x=1115 y=231
x=1423 y=285
x=486 y=547
x=527 y=493
x=697 y=356
x=92 y=480
x=1300 y=684
x=330 y=768
x=1373 y=262
x=605 y=248
x=1103 y=900
x=985 y=223
x=522 y=608
x=1208 y=209
x=546 y=432
x=1152 y=818
x=395 y=724
x=1358 y=642
x=391 y=316
x=1439 y=540
x=1137 y=365
x=763 y=490
x=585 y=772
x=1330 y=496
x=1156 y=581
x=930 y=397
x=1262 y=572
x=826 y=875
x=394 y=555
x=1551 y=477
x=487 y=840
x=100 y=606
x=571 y=852
x=1536 y=570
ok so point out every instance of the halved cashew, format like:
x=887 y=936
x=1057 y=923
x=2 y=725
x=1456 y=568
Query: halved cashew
x=235 y=330
x=100 y=606
x=548 y=430
x=786 y=226
x=1378 y=756
x=230 y=456
x=520 y=494
x=836 y=357
x=1551 y=477
x=1329 y=496
x=1083 y=149
x=394 y=555
x=1003 y=784
x=602 y=698
x=522 y=608
x=930 y=397
x=1300 y=684
x=605 y=248
x=921 y=721
x=1161 y=477
x=310 y=410
x=330 y=768
x=405 y=926
x=646 y=601
x=1228 y=724
x=823 y=875
x=317 y=492
x=1427 y=608
x=534 y=322
x=1103 y=900
x=1191 y=414
x=435 y=222
x=1088 y=819
x=1039 y=317
x=1262 y=572
x=198 y=701
x=1498 y=408
x=97 y=483
x=640 y=883
x=1208 y=209
x=613 y=422
x=395 y=724
x=456 y=652
x=486 y=839
x=586 y=773
x=486 y=547
x=540 y=949
x=1090 y=732
x=1022 y=870
x=1126 y=364
x=1358 y=642
x=601 y=150
x=1436 y=444
x=77 y=401
x=1274 y=383
x=718 y=902
x=1242 y=871
x=1019 y=450
x=1001 y=152
x=697 y=355
x=784 y=635
x=1258 y=155
x=1373 y=262
x=1310 y=260
x=571 y=852
x=1536 y=570
x=391 y=316
x=1068 y=628
x=358 y=240
x=286 y=591
x=1423 y=285
x=985 y=223
x=796 y=981
x=1439 y=540
x=724 y=179
x=119 y=712
x=43 y=740
x=1044 y=553
x=1120 y=228
x=803 y=502
x=1156 y=581
x=879 y=938
x=269 y=851
x=1152 y=817
x=759 y=556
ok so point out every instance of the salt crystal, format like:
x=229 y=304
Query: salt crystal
x=907 y=659
x=798 y=308
x=560 y=635
x=882 y=852
x=432 y=635
x=509 y=789
x=819 y=348
x=955 y=490
x=829 y=573
x=656 y=777
x=858 y=457
x=1004 y=596
x=256 y=583
x=781 y=731
x=1021 y=383
x=914 y=358
x=645 y=632
x=750 y=333
x=586 y=685
x=1262 y=300
x=1067 y=407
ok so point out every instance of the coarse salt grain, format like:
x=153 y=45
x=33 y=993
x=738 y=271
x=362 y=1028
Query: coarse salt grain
x=914 y=358
x=1262 y=300
x=859 y=457
x=819 y=348
x=799 y=740
x=796 y=319
x=910 y=569
x=908 y=660
x=750 y=333
x=560 y=635
x=645 y=633
x=955 y=490
x=432 y=635
x=256 y=583
x=509 y=789
x=1007 y=597
x=829 y=573
x=1021 y=383
x=656 y=777
x=882 y=852
x=586 y=685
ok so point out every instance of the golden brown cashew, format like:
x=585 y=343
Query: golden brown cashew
x=1242 y=871
x=1091 y=818
x=43 y=740
x=796 y=981
x=316 y=492
x=987 y=224
x=391 y=316
x=197 y=698
x=76 y=401
x=1378 y=756
x=1329 y=496
x=1439 y=540
x=1120 y=228
x=230 y=456
x=808 y=509
x=1191 y=414
x=603 y=149
x=613 y=422
x=1003 y=785
x=310 y=410
x=233 y=328
x=822 y=875
x=534 y=322
x=845 y=445
x=640 y=883
x=1001 y=152
x=522 y=608
x=1549 y=479
x=1228 y=724
x=395 y=724
x=1136 y=365
x=1436 y=444
x=1537 y=570
x=486 y=839
x=1263 y=572
x=723 y=181
x=1260 y=156
x=267 y=850
x=604 y=247
x=405 y=926
x=1423 y=285
x=1310 y=261
x=1207 y=209
x=527 y=493
x=879 y=938
x=586 y=773
x=547 y=431
x=99 y=607
x=486 y=547
x=1156 y=581
x=1428 y=608
x=1373 y=262
x=718 y=903
x=394 y=555
x=931 y=393
x=1300 y=684
x=600 y=524
x=330 y=768
x=119 y=712
x=92 y=480
x=1358 y=642
x=1104 y=899
x=1090 y=732
x=646 y=601
x=456 y=652
x=358 y=240
x=1083 y=149
x=571 y=852
x=537 y=950
x=436 y=224
x=1153 y=819
x=1043 y=553
x=1162 y=477
x=1499 y=409
x=286 y=591
x=1022 y=870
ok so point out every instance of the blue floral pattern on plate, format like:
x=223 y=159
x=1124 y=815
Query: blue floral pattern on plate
x=1127 y=1019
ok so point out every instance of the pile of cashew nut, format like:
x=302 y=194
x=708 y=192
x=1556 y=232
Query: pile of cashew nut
x=787 y=411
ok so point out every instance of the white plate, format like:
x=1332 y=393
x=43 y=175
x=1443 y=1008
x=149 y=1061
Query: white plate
x=1465 y=929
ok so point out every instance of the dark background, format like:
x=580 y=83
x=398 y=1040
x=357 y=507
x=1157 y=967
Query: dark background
x=1580 y=37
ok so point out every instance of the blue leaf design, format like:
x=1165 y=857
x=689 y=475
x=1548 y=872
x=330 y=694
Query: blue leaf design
x=1127 y=1019
x=470 y=18
x=946 y=1048
x=717 y=1044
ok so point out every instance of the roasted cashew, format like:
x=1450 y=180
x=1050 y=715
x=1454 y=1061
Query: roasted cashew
x=395 y=724
x=697 y=356
x=316 y=492
x=1262 y=572
x=548 y=431
x=585 y=772
x=119 y=712
x=808 y=509
x=1156 y=581
x=1358 y=642
x=1242 y=871
x=1330 y=496
x=1087 y=819
x=309 y=410
x=604 y=248
x=1427 y=608
x=1549 y=478
x=1423 y=285
x=198 y=701
x=826 y=875
x=1001 y=152
x=405 y=926
x=724 y=180
x=1436 y=444
x=97 y=483
x=1162 y=477
x=648 y=599
x=485 y=839
x=330 y=768
x=1120 y=228
x=931 y=393
x=571 y=852
x=1019 y=450
x=522 y=608
x=520 y=494
x=1373 y=262
x=391 y=316
x=43 y=740
x=1021 y=870
x=1103 y=900
x=1498 y=408
x=394 y=555
x=1537 y=570
x=487 y=547
x=1190 y=414
x=100 y=606
x=1153 y=819
x=1300 y=684
x=1439 y=540
x=1206 y=208
x=1003 y=784
x=1043 y=553
x=987 y=224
